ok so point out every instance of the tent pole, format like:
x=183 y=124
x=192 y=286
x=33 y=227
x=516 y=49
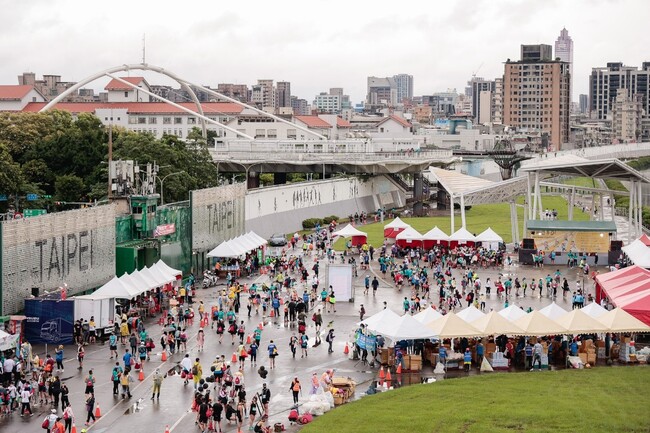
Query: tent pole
x=451 y=206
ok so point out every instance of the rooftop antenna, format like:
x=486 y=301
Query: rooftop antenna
x=143 y=48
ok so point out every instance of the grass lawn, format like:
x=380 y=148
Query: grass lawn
x=577 y=401
x=588 y=182
x=478 y=218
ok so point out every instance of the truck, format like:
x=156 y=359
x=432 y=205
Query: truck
x=102 y=309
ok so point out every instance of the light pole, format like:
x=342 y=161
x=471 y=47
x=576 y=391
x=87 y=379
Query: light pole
x=162 y=182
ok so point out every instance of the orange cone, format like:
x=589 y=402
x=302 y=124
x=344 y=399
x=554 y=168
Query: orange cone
x=163 y=357
x=141 y=375
x=346 y=350
x=381 y=373
x=74 y=429
x=248 y=339
x=399 y=368
x=167 y=428
x=272 y=313
x=234 y=357
x=98 y=413
x=388 y=378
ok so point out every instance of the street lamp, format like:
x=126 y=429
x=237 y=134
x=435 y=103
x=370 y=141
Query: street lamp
x=162 y=182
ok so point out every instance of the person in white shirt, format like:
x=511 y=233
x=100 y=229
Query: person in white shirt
x=8 y=367
x=186 y=365
x=25 y=396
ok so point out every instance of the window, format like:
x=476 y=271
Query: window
x=167 y=120
x=191 y=120
x=260 y=133
x=133 y=120
x=153 y=120
x=126 y=94
x=178 y=120
x=272 y=133
x=291 y=133
x=142 y=120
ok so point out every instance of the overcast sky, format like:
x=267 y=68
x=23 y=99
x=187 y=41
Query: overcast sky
x=314 y=44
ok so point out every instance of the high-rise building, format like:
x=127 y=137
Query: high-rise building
x=564 y=51
x=327 y=103
x=404 y=85
x=235 y=91
x=481 y=97
x=497 y=102
x=536 y=94
x=345 y=99
x=626 y=116
x=381 y=91
x=584 y=103
x=284 y=94
x=263 y=94
x=604 y=84
x=300 y=106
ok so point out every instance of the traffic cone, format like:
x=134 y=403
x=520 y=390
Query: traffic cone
x=74 y=428
x=388 y=378
x=98 y=412
x=248 y=339
x=272 y=313
x=234 y=357
x=141 y=375
x=346 y=350
x=399 y=369
x=167 y=428
x=163 y=357
x=381 y=373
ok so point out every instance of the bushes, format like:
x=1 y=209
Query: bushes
x=310 y=223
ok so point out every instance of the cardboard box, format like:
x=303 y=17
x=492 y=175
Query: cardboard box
x=583 y=357
x=600 y=343
x=591 y=359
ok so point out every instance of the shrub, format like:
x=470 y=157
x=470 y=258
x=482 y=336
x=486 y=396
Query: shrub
x=329 y=219
x=310 y=223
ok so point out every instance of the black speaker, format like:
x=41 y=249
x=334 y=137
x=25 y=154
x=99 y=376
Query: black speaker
x=528 y=244
x=35 y=291
x=526 y=256
x=615 y=245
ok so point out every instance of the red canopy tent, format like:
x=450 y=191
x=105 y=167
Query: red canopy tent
x=611 y=280
x=638 y=305
x=628 y=288
x=409 y=238
x=358 y=237
x=645 y=239
x=395 y=227
x=435 y=236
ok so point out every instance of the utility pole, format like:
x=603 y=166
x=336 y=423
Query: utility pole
x=110 y=158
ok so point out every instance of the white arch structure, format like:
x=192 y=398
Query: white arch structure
x=185 y=85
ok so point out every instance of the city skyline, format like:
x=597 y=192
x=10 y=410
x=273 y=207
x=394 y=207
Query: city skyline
x=339 y=46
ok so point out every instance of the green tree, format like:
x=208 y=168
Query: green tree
x=69 y=187
x=11 y=176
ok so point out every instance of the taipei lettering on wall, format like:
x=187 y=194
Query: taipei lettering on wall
x=217 y=215
x=58 y=256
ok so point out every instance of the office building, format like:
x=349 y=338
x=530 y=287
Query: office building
x=284 y=94
x=564 y=52
x=583 y=103
x=327 y=103
x=263 y=95
x=239 y=92
x=626 y=116
x=300 y=106
x=536 y=95
x=404 y=85
x=497 y=102
x=481 y=99
x=381 y=92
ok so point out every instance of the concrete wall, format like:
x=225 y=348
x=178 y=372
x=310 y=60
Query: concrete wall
x=283 y=208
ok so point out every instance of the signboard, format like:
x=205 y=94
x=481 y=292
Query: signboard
x=367 y=342
x=76 y=247
x=33 y=212
x=49 y=321
x=561 y=241
x=217 y=215
x=340 y=278
x=164 y=229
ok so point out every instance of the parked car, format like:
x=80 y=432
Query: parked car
x=278 y=240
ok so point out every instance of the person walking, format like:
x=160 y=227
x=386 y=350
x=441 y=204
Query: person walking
x=25 y=398
x=68 y=418
x=318 y=320
x=330 y=339
x=537 y=356
x=295 y=389
x=125 y=381
x=252 y=351
x=112 y=345
x=117 y=372
x=90 y=407
x=293 y=343
x=197 y=372
x=80 y=356
x=157 y=383
x=90 y=383
x=265 y=396
x=58 y=357
x=65 y=401
x=252 y=412
x=362 y=312
x=200 y=339
x=273 y=352
x=127 y=359
x=315 y=383
x=304 y=344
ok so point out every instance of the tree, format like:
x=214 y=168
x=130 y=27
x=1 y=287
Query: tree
x=11 y=177
x=69 y=188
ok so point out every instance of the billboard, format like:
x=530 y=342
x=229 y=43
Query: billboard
x=75 y=247
x=217 y=215
x=49 y=321
x=564 y=241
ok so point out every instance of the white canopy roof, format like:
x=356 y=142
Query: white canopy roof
x=133 y=285
x=427 y=315
x=435 y=234
x=238 y=246
x=452 y=326
x=488 y=235
x=168 y=269
x=494 y=323
x=349 y=231
x=144 y=280
x=512 y=313
x=409 y=233
x=594 y=310
x=257 y=237
x=160 y=276
x=385 y=315
x=397 y=223
x=639 y=253
x=115 y=288
x=619 y=320
x=225 y=249
x=157 y=277
x=470 y=314
x=462 y=235
x=406 y=328
x=553 y=311
x=536 y=323
x=578 y=322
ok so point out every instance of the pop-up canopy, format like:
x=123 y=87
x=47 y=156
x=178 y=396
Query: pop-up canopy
x=536 y=323
x=435 y=236
x=470 y=314
x=489 y=239
x=494 y=323
x=553 y=311
x=619 y=320
x=452 y=326
x=578 y=322
x=409 y=238
x=461 y=236
x=349 y=231
x=512 y=313
x=427 y=315
x=394 y=227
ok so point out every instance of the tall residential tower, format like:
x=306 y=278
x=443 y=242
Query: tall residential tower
x=564 y=51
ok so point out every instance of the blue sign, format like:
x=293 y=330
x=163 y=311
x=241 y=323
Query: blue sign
x=49 y=321
x=31 y=197
x=367 y=342
x=3 y=197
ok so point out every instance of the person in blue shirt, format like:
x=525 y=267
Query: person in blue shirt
x=367 y=284
x=58 y=357
x=573 y=348
x=467 y=358
x=112 y=345
x=273 y=352
x=127 y=359
x=479 y=353
x=442 y=354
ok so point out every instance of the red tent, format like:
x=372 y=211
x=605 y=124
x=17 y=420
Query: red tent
x=645 y=239
x=611 y=280
x=409 y=238
x=395 y=227
x=640 y=308
x=628 y=288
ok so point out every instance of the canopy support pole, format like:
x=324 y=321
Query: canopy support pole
x=451 y=206
x=639 y=209
x=462 y=210
x=536 y=186
x=631 y=212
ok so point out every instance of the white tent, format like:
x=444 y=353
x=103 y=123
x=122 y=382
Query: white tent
x=261 y=241
x=157 y=278
x=349 y=231
x=397 y=223
x=161 y=276
x=553 y=311
x=536 y=323
x=427 y=315
x=639 y=253
x=436 y=235
x=452 y=326
x=143 y=280
x=619 y=320
x=406 y=328
x=512 y=313
x=8 y=341
x=594 y=310
x=244 y=243
x=115 y=288
x=470 y=314
x=494 y=323
x=489 y=239
x=461 y=236
x=168 y=269
x=226 y=250
x=385 y=315
x=409 y=234
x=133 y=284
x=577 y=322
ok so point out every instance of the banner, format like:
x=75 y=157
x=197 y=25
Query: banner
x=367 y=342
x=164 y=229
x=49 y=321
